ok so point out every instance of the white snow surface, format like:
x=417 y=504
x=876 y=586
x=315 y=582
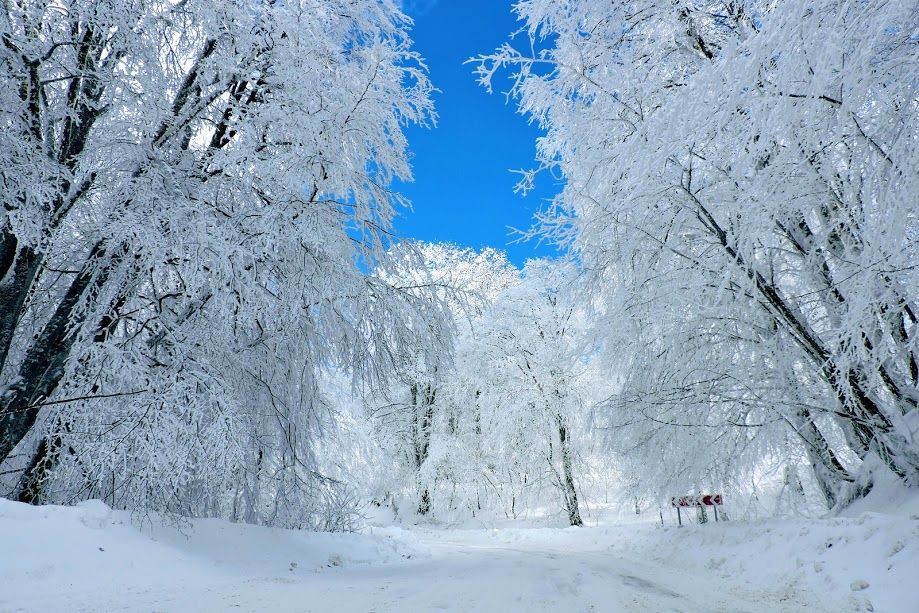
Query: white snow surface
x=91 y=558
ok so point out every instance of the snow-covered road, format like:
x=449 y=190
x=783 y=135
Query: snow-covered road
x=477 y=573
x=459 y=575
x=464 y=577
x=90 y=558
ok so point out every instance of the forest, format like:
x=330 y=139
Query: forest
x=206 y=310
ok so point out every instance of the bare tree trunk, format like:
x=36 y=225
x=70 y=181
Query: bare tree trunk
x=28 y=489
x=18 y=267
x=45 y=361
x=829 y=472
x=423 y=416
x=569 y=490
x=424 y=506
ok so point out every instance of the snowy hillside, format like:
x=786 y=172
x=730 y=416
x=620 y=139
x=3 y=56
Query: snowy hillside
x=90 y=558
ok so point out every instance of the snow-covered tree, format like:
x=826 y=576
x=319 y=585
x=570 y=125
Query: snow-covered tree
x=740 y=184
x=186 y=190
x=529 y=358
x=413 y=411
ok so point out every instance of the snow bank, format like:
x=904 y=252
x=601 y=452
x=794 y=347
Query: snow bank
x=55 y=555
x=863 y=561
x=867 y=563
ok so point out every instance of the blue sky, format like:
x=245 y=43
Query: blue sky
x=464 y=190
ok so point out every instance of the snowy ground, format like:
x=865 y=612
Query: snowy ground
x=89 y=558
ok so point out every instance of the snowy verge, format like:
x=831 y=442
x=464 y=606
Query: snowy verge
x=866 y=559
x=866 y=563
x=56 y=553
x=863 y=560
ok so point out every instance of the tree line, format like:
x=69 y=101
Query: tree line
x=204 y=310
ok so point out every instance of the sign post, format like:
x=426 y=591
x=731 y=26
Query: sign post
x=705 y=500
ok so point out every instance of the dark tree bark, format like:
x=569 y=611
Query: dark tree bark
x=46 y=356
x=569 y=490
x=867 y=426
x=18 y=267
x=29 y=489
x=829 y=472
x=423 y=417
x=45 y=361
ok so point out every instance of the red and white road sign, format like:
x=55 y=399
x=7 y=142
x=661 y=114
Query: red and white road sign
x=706 y=500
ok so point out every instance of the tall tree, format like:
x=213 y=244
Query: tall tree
x=529 y=358
x=186 y=189
x=737 y=178
x=412 y=415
